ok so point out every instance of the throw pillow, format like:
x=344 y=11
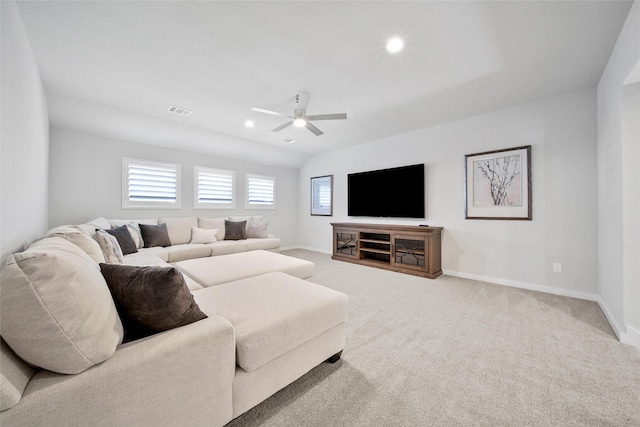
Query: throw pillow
x=257 y=229
x=201 y=235
x=235 y=230
x=134 y=230
x=110 y=247
x=123 y=236
x=155 y=235
x=150 y=299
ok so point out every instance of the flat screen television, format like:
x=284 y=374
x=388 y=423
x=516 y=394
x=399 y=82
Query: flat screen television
x=394 y=193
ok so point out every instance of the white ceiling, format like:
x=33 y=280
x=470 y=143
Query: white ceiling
x=115 y=67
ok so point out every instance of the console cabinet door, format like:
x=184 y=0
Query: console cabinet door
x=409 y=252
x=345 y=243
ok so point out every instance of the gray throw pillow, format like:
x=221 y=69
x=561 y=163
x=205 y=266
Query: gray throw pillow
x=150 y=299
x=235 y=230
x=155 y=235
x=123 y=236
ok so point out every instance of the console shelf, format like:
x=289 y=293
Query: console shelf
x=404 y=248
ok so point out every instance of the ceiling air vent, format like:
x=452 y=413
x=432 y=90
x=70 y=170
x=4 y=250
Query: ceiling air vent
x=289 y=140
x=179 y=110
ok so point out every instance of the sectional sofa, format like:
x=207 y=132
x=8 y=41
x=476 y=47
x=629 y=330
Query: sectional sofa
x=249 y=325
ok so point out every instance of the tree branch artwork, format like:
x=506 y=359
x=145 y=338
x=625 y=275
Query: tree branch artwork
x=499 y=174
x=498 y=184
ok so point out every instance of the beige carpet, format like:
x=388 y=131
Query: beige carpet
x=455 y=352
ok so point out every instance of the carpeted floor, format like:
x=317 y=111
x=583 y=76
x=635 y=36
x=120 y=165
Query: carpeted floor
x=456 y=352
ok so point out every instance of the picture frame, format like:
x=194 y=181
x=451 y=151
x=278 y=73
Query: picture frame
x=322 y=195
x=497 y=184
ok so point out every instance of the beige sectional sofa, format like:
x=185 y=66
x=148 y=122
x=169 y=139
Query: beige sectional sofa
x=62 y=356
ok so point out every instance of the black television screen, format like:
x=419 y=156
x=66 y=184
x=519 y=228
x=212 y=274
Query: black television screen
x=394 y=193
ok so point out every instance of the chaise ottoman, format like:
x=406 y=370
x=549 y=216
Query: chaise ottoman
x=212 y=271
x=283 y=327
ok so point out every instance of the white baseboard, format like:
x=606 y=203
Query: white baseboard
x=631 y=337
x=610 y=318
x=307 y=248
x=523 y=285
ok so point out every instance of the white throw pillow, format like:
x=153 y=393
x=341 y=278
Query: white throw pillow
x=110 y=247
x=257 y=229
x=56 y=311
x=136 y=234
x=201 y=235
x=211 y=223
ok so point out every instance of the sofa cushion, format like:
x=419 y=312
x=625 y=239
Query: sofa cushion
x=235 y=230
x=110 y=247
x=179 y=228
x=297 y=311
x=155 y=235
x=56 y=311
x=224 y=247
x=203 y=235
x=78 y=237
x=177 y=253
x=268 y=243
x=141 y=260
x=150 y=299
x=213 y=223
x=257 y=229
x=15 y=376
x=123 y=236
x=214 y=271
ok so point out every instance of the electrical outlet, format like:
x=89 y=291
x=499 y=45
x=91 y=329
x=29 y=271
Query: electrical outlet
x=557 y=267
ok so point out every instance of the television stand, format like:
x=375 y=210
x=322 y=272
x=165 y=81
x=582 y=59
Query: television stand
x=410 y=249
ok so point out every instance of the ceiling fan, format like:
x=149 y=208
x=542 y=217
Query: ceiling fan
x=300 y=118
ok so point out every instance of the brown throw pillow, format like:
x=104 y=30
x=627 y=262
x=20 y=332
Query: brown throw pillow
x=123 y=236
x=155 y=235
x=150 y=299
x=235 y=230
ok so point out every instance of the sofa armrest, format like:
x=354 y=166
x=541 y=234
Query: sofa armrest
x=179 y=377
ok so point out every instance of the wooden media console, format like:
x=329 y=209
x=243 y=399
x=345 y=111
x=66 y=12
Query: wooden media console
x=407 y=249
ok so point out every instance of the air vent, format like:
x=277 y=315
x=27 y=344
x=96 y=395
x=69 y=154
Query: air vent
x=289 y=140
x=179 y=110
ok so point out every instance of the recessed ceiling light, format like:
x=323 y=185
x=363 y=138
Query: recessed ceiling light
x=249 y=124
x=299 y=122
x=289 y=140
x=395 y=45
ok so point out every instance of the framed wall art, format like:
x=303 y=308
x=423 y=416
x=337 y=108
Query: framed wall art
x=498 y=184
x=322 y=195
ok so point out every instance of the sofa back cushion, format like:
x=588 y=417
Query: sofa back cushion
x=211 y=223
x=78 y=237
x=56 y=311
x=179 y=228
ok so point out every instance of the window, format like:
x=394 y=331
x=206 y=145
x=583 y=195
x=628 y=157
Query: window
x=261 y=192
x=214 y=189
x=150 y=185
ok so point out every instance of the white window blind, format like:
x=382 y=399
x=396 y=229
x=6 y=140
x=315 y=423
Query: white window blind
x=261 y=192
x=150 y=185
x=214 y=188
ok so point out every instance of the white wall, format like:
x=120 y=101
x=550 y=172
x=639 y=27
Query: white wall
x=618 y=186
x=86 y=182
x=24 y=143
x=562 y=133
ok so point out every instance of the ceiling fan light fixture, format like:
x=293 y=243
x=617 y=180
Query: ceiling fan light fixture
x=299 y=122
x=395 y=44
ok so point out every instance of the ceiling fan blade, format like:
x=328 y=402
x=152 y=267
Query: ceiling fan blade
x=279 y=128
x=314 y=129
x=262 y=110
x=337 y=116
x=303 y=102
